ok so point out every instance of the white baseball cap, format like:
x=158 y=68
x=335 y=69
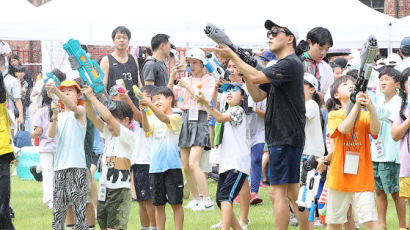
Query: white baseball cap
x=309 y=78
x=196 y=53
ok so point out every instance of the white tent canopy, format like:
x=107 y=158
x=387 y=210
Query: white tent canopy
x=91 y=21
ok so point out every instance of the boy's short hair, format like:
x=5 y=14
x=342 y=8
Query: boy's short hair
x=59 y=74
x=163 y=90
x=157 y=40
x=121 y=30
x=122 y=111
x=20 y=69
x=148 y=89
x=320 y=35
x=354 y=73
x=392 y=72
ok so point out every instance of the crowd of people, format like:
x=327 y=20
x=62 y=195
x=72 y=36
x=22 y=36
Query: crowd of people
x=184 y=123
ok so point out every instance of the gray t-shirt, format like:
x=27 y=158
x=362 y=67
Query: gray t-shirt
x=13 y=89
x=154 y=70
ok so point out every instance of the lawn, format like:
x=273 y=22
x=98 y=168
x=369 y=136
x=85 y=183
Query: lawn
x=30 y=213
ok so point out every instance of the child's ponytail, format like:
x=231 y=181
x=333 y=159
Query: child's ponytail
x=402 y=93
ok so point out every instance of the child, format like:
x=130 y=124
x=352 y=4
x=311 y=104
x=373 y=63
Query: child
x=165 y=175
x=70 y=169
x=140 y=162
x=114 y=197
x=47 y=147
x=235 y=156
x=194 y=136
x=385 y=151
x=400 y=131
x=350 y=179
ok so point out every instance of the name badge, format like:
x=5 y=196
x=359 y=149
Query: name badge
x=193 y=114
x=351 y=162
x=102 y=192
x=379 y=147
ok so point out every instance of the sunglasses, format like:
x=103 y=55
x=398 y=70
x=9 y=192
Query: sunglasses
x=275 y=32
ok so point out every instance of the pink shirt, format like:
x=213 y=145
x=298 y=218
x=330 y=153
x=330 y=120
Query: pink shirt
x=404 y=147
x=208 y=84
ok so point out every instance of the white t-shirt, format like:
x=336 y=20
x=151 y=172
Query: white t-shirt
x=257 y=125
x=314 y=144
x=326 y=76
x=117 y=152
x=403 y=65
x=142 y=145
x=235 y=150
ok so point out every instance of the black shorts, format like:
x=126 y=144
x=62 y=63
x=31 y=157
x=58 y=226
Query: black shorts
x=284 y=164
x=229 y=185
x=95 y=158
x=166 y=187
x=141 y=181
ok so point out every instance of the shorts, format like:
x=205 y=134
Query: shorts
x=166 y=187
x=229 y=185
x=386 y=176
x=95 y=158
x=404 y=187
x=204 y=164
x=195 y=133
x=89 y=198
x=140 y=174
x=284 y=164
x=215 y=155
x=115 y=210
x=338 y=203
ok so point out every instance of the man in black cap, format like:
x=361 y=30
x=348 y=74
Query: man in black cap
x=282 y=84
x=405 y=53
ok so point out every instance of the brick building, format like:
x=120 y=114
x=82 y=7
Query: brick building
x=394 y=8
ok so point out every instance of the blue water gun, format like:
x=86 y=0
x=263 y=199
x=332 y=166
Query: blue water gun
x=89 y=71
x=214 y=67
x=50 y=77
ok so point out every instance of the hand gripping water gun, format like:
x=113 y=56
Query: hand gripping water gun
x=137 y=93
x=218 y=36
x=50 y=77
x=214 y=67
x=367 y=55
x=308 y=191
x=89 y=71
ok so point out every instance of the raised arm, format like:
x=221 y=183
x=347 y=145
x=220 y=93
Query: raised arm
x=219 y=117
x=146 y=101
x=52 y=128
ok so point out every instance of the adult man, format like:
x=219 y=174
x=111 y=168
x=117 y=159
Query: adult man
x=319 y=40
x=119 y=64
x=154 y=70
x=284 y=119
x=6 y=154
x=405 y=53
x=13 y=91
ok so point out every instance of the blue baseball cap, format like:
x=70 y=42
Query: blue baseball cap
x=268 y=56
x=405 y=44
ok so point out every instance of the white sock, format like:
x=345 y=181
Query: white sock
x=144 y=228
x=206 y=198
x=70 y=227
x=197 y=198
x=154 y=228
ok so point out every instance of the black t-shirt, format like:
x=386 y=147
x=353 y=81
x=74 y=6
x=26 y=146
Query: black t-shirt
x=285 y=114
x=127 y=71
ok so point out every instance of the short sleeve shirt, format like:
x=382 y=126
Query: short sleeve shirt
x=314 y=144
x=285 y=113
x=42 y=120
x=357 y=140
x=164 y=149
x=116 y=159
x=13 y=89
x=404 y=143
x=154 y=70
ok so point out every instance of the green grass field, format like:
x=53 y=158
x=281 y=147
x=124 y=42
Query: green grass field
x=31 y=213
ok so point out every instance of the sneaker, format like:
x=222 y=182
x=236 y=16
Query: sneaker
x=293 y=221
x=204 y=205
x=255 y=198
x=262 y=185
x=50 y=205
x=37 y=176
x=218 y=225
x=236 y=200
x=192 y=203
x=318 y=223
x=243 y=225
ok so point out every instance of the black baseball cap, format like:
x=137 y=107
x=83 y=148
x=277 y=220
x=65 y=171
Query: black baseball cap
x=269 y=24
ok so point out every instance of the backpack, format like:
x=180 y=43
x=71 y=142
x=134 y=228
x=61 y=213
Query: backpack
x=157 y=67
x=22 y=138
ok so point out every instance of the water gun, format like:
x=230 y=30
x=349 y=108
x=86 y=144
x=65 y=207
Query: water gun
x=367 y=55
x=89 y=71
x=214 y=67
x=120 y=86
x=218 y=36
x=50 y=77
x=137 y=93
